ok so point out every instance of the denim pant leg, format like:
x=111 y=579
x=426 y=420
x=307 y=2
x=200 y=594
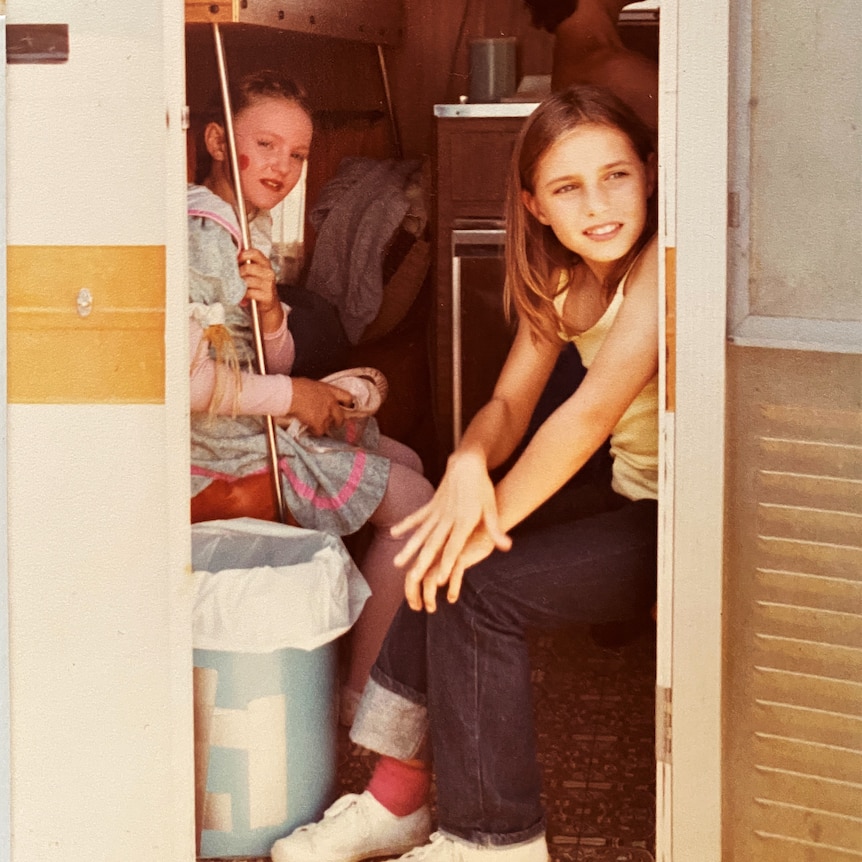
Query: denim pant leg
x=466 y=667
x=598 y=569
x=392 y=717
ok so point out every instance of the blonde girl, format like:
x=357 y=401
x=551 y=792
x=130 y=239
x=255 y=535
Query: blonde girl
x=335 y=476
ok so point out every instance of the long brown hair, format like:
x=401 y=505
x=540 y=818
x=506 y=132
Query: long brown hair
x=534 y=255
x=244 y=92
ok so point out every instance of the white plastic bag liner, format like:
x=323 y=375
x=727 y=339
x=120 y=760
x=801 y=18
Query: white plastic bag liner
x=263 y=586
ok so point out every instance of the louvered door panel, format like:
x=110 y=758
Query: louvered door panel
x=794 y=614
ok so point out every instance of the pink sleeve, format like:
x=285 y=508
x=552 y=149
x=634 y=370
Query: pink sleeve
x=278 y=347
x=260 y=394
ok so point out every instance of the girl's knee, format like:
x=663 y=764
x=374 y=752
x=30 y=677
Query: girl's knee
x=409 y=486
x=399 y=453
x=406 y=492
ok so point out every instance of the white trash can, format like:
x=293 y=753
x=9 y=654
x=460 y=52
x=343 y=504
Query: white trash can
x=270 y=602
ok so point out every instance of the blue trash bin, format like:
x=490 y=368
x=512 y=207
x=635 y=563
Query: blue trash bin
x=270 y=602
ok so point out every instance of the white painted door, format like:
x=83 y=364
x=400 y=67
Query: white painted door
x=5 y=760
x=99 y=730
x=693 y=201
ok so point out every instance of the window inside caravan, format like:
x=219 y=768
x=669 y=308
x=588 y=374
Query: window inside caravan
x=288 y=233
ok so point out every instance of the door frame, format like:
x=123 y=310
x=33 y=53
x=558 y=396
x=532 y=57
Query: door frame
x=693 y=110
x=5 y=695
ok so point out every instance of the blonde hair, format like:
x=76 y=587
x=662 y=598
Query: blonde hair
x=535 y=258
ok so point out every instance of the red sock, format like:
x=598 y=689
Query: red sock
x=400 y=787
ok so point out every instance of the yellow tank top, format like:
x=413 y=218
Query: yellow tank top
x=634 y=439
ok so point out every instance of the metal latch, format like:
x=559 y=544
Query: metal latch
x=663 y=724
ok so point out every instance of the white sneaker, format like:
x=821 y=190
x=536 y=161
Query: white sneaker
x=354 y=827
x=443 y=849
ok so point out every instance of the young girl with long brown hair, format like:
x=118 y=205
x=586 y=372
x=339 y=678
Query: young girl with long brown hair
x=454 y=669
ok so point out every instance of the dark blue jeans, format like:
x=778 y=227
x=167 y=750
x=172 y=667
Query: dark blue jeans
x=463 y=673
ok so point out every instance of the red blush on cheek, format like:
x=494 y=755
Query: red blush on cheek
x=244 y=162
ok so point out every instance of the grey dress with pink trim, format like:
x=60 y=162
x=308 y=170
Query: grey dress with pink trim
x=329 y=484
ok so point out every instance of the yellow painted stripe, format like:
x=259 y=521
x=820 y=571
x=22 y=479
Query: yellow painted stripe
x=116 y=354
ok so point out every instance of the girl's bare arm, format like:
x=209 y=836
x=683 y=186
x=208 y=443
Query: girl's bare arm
x=465 y=497
x=626 y=362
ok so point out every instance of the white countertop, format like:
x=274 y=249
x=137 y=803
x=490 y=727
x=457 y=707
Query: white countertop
x=486 y=109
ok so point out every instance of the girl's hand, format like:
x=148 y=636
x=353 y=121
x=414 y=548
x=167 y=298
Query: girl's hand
x=259 y=277
x=319 y=405
x=479 y=546
x=464 y=501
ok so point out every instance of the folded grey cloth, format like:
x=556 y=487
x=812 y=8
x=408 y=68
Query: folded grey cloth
x=356 y=216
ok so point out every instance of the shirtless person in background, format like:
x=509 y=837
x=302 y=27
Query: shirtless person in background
x=588 y=50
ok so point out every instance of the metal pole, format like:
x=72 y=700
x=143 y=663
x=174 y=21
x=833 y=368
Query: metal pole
x=390 y=109
x=246 y=243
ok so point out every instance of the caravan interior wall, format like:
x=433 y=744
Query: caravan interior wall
x=101 y=749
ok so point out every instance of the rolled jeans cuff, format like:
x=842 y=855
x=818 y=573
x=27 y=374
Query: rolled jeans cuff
x=388 y=722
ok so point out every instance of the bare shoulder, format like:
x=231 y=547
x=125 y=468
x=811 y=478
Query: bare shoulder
x=627 y=62
x=634 y=79
x=643 y=278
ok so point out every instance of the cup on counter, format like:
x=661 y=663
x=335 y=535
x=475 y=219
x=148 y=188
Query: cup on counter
x=492 y=68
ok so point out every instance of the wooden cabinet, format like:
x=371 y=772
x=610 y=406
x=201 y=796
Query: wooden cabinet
x=473 y=157
x=471 y=337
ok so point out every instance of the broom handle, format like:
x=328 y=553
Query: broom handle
x=246 y=243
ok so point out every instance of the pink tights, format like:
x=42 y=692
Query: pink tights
x=407 y=490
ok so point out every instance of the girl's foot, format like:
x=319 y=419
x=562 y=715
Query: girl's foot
x=355 y=827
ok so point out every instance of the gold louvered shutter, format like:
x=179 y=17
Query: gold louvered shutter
x=793 y=617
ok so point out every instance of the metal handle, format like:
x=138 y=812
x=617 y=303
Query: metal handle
x=480 y=238
x=246 y=243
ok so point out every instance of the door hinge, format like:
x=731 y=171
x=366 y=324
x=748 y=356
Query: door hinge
x=663 y=723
